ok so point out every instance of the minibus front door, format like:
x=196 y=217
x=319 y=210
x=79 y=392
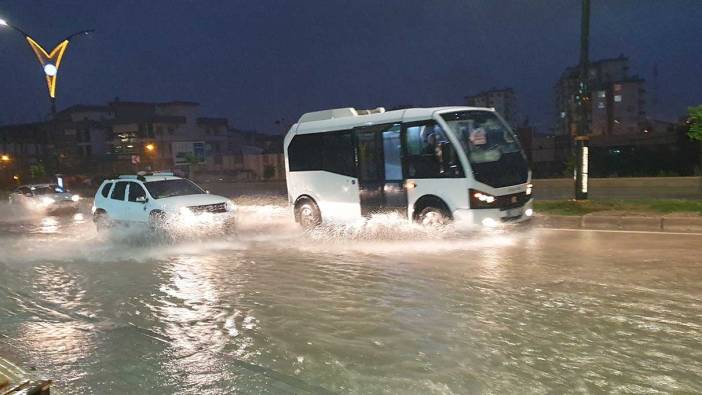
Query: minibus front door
x=380 y=177
x=370 y=159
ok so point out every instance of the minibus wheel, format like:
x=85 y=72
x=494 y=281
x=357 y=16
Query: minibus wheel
x=308 y=214
x=433 y=216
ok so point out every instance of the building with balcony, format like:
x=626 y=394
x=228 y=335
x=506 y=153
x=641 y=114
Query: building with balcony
x=617 y=99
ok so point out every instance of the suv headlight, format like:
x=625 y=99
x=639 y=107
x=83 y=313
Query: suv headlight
x=529 y=189
x=480 y=199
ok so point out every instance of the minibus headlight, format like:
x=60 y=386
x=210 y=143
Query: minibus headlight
x=480 y=199
x=529 y=188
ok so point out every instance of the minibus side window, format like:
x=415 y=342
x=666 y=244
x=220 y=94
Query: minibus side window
x=337 y=153
x=392 y=153
x=328 y=151
x=425 y=154
x=304 y=152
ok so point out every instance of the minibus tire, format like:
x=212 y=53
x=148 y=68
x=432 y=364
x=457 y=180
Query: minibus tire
x=433 y=216
x=308 y=214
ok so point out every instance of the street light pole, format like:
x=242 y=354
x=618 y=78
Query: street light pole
x=49 y=61
x=582 y=133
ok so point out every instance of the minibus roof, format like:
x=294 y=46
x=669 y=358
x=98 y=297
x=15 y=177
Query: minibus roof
x=347 y=118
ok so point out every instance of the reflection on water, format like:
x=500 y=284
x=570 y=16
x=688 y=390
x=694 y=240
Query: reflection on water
x=190 y=313
x=381 y=306
x=49 y=225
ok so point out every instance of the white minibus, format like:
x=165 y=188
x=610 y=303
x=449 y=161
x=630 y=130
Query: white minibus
x=432 y=165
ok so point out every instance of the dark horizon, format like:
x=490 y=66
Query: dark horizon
x=256 y=63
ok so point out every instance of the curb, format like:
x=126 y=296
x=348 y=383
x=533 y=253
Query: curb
x=615 y=222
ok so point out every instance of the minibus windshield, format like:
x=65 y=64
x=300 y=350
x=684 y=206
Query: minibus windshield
x=484 y=136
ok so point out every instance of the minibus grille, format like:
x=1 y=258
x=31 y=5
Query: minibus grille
x=514 y=200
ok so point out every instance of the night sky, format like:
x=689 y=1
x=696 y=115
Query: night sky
x=257 y=61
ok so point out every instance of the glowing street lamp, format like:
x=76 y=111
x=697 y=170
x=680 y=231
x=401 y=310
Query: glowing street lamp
x=4 y=158
x=49 y=61
x=150 y=147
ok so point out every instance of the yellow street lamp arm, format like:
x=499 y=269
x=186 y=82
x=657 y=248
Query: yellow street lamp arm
x=49 y=61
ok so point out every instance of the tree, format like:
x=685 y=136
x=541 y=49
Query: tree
x=695 y=120
x=37 y=171
x=695 y=129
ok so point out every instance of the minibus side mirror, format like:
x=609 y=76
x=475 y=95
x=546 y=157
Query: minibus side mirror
x=448 y=154
x=141 y=199
x=448 y=158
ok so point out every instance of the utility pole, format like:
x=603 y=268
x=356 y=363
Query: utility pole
x=584 y=108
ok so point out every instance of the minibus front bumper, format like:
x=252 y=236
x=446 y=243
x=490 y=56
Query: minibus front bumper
x=494 y=217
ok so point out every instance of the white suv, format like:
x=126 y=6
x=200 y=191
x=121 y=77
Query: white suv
x=161 y=201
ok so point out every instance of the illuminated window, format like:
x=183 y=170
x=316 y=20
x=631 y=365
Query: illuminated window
x=601 y=94
x=618 y=98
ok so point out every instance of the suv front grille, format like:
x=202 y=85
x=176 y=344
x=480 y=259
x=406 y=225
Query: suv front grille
x=209 y=208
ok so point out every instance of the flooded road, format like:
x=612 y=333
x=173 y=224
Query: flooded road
x=382 y=307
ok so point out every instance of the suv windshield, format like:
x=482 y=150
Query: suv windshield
x=484 y=136
x=169 y=188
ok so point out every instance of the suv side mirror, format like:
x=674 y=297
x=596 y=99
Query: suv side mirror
x=141 y=199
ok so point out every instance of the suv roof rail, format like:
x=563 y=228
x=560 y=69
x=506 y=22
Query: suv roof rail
x=140 y=175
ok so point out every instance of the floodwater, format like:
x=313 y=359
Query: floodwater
x=380 y=307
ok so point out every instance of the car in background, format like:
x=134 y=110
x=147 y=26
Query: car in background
x=48 y=198
x=162 y=202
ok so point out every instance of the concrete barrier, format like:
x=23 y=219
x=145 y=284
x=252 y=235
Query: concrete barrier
x=642 y=223
x=682 y=224
x=622 y=188
x=236 y=189
x=544 y=189
x=558 y=221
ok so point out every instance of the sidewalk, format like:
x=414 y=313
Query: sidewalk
x=614 y=220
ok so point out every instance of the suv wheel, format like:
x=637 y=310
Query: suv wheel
x=102 y=221
x=157 y=220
